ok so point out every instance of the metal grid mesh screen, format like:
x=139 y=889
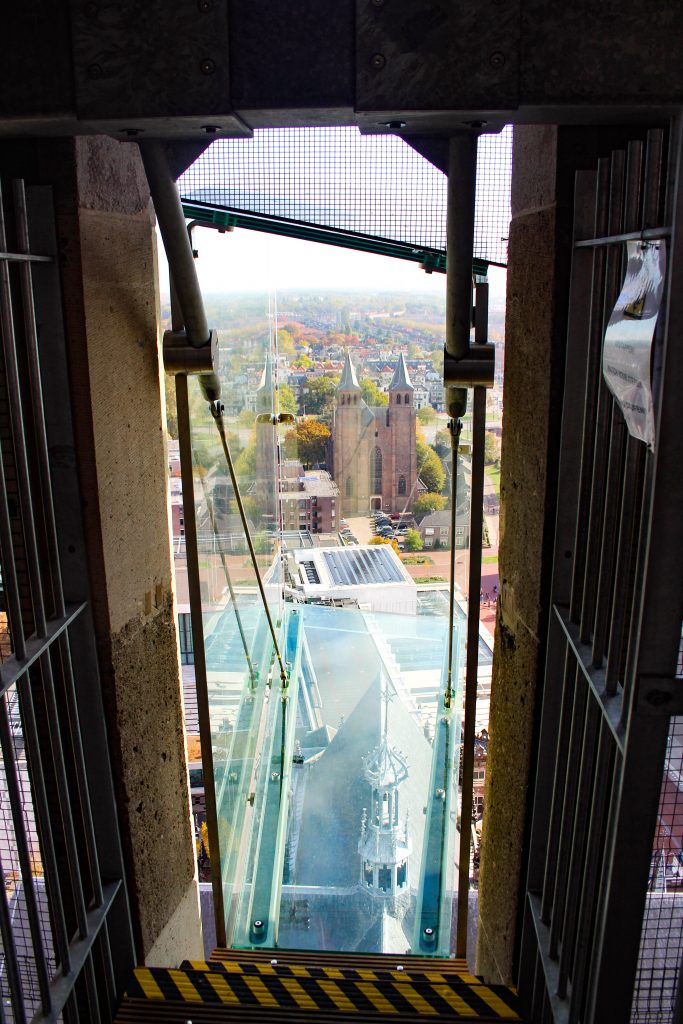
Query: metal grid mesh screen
x=11 y=871
x=661 y=943
x=373 y=185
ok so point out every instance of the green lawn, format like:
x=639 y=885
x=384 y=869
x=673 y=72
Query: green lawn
x=494 y=476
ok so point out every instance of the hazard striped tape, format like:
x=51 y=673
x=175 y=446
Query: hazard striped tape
x=406 y=996
x=277 y=968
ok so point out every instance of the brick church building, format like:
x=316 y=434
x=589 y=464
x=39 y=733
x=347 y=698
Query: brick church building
x=374 y=460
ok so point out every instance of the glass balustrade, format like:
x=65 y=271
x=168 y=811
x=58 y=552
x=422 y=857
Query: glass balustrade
x=337 y=780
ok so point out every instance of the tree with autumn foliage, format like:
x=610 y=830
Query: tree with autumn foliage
x=307 y=441
x=428 y=503
x=386 y=540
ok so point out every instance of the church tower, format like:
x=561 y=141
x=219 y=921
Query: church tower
x=385 y=845
x=349 y=457
x=403 y=477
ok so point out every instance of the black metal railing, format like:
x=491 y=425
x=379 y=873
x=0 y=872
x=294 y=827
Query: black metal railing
x=62 y=894
x=610 y=688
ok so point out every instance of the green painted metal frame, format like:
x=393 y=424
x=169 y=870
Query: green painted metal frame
x=225 y=219
x=258 y=918
x=432 y=935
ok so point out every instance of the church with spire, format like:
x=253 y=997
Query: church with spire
x=374 y=458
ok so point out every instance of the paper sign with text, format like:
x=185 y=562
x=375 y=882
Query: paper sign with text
x=626 y=356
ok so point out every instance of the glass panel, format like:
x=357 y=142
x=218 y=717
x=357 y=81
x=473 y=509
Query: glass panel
x=338 y=796
x=238 y=645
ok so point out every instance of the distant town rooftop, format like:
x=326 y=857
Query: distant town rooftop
x=317 y=483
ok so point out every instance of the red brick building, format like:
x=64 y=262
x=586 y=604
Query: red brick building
x=374 y=456
x=309 y=499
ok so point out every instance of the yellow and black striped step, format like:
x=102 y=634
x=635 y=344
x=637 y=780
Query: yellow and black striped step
x=342 y=997
x=379 y=961
x=378 y=972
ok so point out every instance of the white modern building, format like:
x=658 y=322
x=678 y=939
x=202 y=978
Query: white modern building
x=371 y=575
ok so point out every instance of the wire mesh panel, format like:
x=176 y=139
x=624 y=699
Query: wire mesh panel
x=661 y=944
x=603 y=917
x=15 y=883
x=374 y=185
x=56 y=907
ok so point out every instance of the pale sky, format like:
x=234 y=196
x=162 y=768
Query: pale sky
x=244 y=261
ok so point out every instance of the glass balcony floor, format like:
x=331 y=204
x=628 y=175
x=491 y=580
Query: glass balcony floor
x=367 y=715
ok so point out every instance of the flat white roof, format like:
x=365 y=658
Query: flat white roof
x=353 y=566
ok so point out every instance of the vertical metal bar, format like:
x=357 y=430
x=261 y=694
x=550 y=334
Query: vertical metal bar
x=472 y=664
x=108 y=966
x=656 y=629
x=37 y=407
x=592 y=370
x=609 y=600
x=653 y=176
x=24 y=857
x=559 y=775
x=194 y=587
x=583 y=944
x=611 y=517
x=577 y=862
x=462 y=180
x=71 y=1014
x=632 y=556
x=568 y=811
x=35 y=392
x=91 y=989
x=11 y=586
x=10 y=951
x=604 y=404
x=35 y=577
x=557 y=693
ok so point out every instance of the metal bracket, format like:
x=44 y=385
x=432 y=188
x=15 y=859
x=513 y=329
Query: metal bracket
x=182 y=357
x=476 y=368
x=659 y=695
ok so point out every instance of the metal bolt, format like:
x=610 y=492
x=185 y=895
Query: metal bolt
x=204 y=5
x=378 y=61
x=497 y=59
x=258 y=925
x=207 y=66
x=94 y=71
